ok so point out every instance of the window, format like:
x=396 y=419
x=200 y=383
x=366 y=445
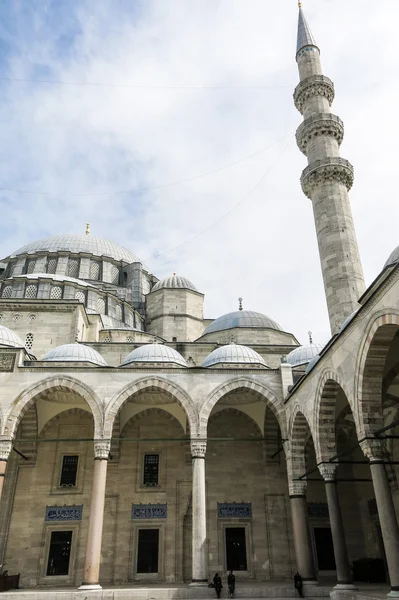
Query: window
x=69 y=471
x=31 y=291
x=118 y=312
x=80 y=296
x=95 y=270
x=101 y=306
x=29 y=341
x=151 y=469
x=52 y=265
x=73 y=268
x=236 y=550
x=59 y=553
x=7 y=291
x=30 y=266
x=147 y=551
x=114 y=275
x=56 y=292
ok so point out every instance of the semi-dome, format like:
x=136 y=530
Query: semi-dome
x=174 y=282
x=242 y=318
x=233 y=354
x=303 y=354
x=9 y=338
x=158 y=353
x=88 y=244
x=75 y=353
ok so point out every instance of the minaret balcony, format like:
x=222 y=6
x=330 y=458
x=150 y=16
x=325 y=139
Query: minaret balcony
x=315 y=85
x=326 y=170
x=319 y=125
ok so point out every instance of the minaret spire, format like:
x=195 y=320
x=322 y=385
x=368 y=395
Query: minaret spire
x=327 y=180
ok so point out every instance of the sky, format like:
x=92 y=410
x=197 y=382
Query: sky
x=169 y=126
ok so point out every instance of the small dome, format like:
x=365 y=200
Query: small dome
x=303 y=354
x=233 y=354
x=393 y=258
x=75 y=353
x=347 y=320
x=174 y=282
x=158 y=353
x=241 y=318
x=9 y=338
x=312 y=363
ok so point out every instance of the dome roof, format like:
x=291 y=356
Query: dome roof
x=241 y=318
x=74 y=353
x=233 y=354
x=303 y=354
x=393 y=257
x=312 y=363
x=9 y=338
x=155 y=353
x=53 y=277
x=77 y=244
x=174 y=282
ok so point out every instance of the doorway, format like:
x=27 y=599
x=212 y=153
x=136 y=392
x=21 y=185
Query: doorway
x=148 y=551
x=236 y=549
x=324 y=549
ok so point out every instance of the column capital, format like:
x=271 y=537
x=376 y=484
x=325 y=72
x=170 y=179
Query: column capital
x=198 y=448
x=328 y=471
x=102 y=449
x=297 y=488
x=373 y=449
x=5 y=449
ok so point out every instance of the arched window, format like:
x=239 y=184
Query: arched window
x=114 y=275
x=73 y=268
x=31 y=291
x=30 y=265
x=7 y=291
x=80 y=296
x=95 y=270
x=101 y=306
x=118 y=312
x=56 y=292
x=52 y=265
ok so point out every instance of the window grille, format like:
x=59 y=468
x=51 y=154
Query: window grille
x=7 y=291
x=80 y=296
x=101 y=306
x=114 y=275
x=151 y=469
x=31 y=291
x=52 y=265
x=73 y=268
x=30 y=266
x=16 y=317
x=129 y=339
x=29 y=341
x=118 y=312
x=1 y=316
x=56 y=292
x=11 y=269
x=32 y=317
x=69 y=471
x=106 y=339
x=95 y=270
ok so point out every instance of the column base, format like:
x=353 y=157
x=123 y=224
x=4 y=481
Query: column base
x=86 y=587
x=345 y=586
x=199 y=583
x=393 y=594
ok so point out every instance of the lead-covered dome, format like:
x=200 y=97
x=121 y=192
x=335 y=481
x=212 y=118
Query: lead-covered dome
x=155 y=353
x=9 y=338
x=393 y=257
x=242 y=318
x=174 y=282
x=77 y=244
x=75 y=353
x=234 y=354
x=303 y=355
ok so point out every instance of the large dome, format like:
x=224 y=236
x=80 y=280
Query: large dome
x=174 y=282
x=9 y=338
x=304 y=354
x=151 y=353
x=233 y=354
x=74 y=353
x=242 y=318
x=88 y=244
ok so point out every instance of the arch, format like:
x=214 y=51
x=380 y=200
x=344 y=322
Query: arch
x=275 y=404
x=299 y=432
x=148 y=412
x=19 y=406
x=243 y=417
x=330 y=383
x=145 y=384
x=373 y=353
x=59 y=416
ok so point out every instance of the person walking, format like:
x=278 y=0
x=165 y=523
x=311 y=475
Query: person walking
x=231 y=582
x=298 y=584
x=217 y=582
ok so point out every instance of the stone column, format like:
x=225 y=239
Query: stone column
x=301 y=528
x=199 y=542
x=386 y=511
x=96 y=517
x=5 y=449
x=344 y=577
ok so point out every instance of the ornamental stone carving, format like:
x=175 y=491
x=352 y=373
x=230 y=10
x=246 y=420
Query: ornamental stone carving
x=102 y=449
x=373 y=449
x=7 y=362
x=319 y=125
x=5 y=449
x=297 y=488
x=326 y=170
x=316 y=85
x=198 y=448
x=328 y=471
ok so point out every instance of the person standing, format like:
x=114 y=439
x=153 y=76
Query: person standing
x=217 y=582
x=298 y=584
x=231 y=582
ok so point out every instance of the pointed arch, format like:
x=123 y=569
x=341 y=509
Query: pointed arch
x=275 y=404
x=299 y=432
x=29 y=396
x=67 y=412
x=149 y=412
x=147 y=384
x=244 y=417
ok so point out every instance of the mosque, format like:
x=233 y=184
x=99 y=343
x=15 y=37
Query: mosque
x=142 y=443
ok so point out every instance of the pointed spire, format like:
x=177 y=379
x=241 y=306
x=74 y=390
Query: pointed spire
x=305 y=36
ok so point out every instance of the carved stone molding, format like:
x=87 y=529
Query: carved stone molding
x=7 y=361
x=326 y=170
x=102 y=449
x=328 y=471
x=323 y=124
x=373 y=449
x=316 y=85
x=198 y=448
x=5 y=449
x=297 y=488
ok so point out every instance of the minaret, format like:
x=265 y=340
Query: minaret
x=327 y=180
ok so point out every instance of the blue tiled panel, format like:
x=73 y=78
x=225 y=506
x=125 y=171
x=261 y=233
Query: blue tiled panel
x=234 y=510
x=64 y=513
x=149 y=511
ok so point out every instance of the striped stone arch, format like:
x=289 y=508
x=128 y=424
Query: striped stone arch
x=373 y=352
x=299 y=430
x=151 y=412
x=327 y=391
x=28 y=397
x=148 y=384
x=275 y=404
x=244 y=417
x=58 y=417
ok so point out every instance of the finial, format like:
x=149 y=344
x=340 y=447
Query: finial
x=87 y=228
x=174 y=273
x=239 y=303
x=310 y=337
x=299 y=4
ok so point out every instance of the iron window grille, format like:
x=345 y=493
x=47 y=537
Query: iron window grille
x=69 y=471
x=151 y=469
